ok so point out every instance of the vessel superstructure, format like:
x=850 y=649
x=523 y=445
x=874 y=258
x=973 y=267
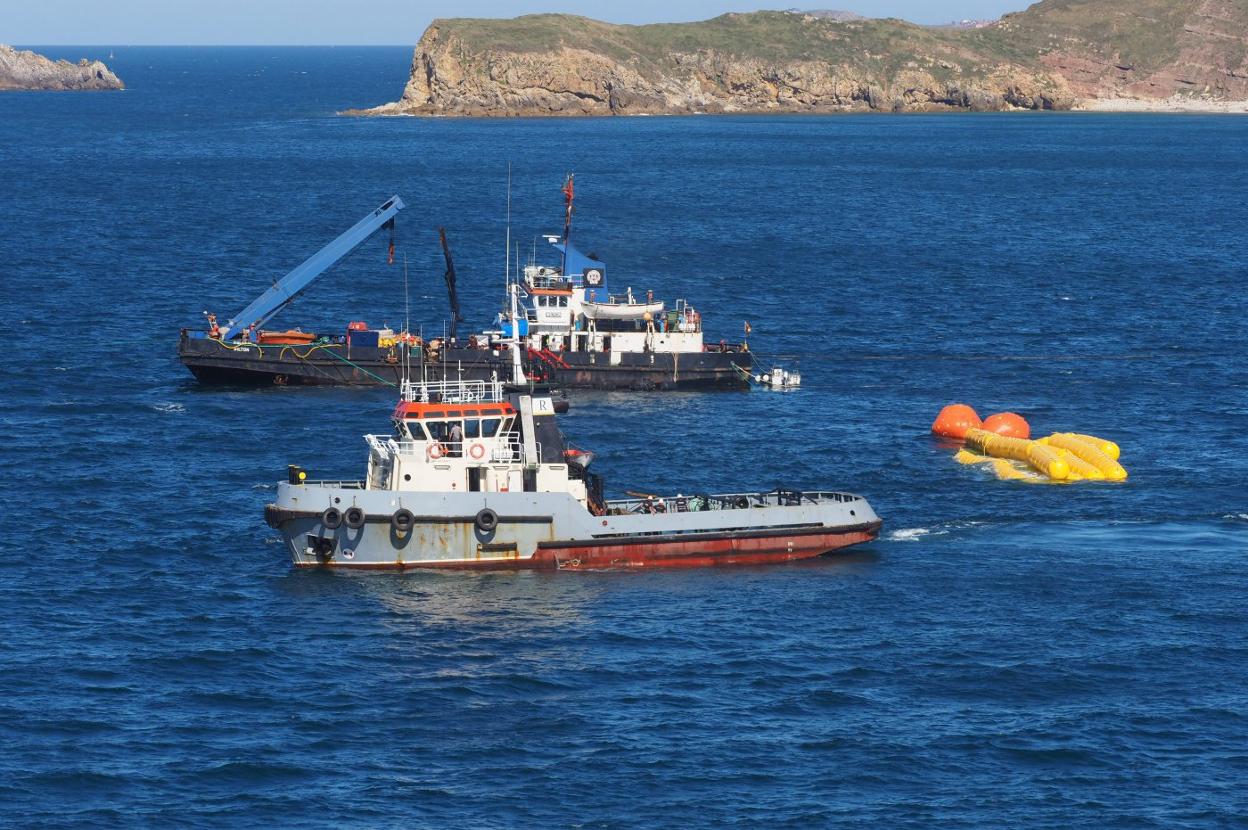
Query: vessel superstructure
x=571 y=321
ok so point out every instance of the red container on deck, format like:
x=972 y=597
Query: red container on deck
x=357 y=325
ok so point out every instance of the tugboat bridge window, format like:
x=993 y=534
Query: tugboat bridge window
x=439 y=430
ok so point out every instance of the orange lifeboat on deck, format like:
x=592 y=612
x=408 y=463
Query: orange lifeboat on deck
x=285 y=338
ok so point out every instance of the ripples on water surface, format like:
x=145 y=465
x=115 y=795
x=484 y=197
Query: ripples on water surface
x=1004 y=655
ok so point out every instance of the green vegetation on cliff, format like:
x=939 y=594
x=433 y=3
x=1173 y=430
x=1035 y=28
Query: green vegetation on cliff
x=1143 y=33
x=773 y=36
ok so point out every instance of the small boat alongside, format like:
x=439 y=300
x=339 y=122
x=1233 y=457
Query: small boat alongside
x=476 y=477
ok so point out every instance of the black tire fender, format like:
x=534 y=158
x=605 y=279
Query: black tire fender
x=332 y=518
x=403 y=520
x=355 y=517
x=486 y=520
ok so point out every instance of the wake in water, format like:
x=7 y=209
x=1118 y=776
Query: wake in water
x=915 y=534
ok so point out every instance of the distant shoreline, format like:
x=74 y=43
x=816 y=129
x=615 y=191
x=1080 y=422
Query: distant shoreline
x=1161 y=105
x=1091 y=106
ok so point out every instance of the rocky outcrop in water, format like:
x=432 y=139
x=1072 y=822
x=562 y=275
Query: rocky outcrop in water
x=1056 y=55
x=27 y=70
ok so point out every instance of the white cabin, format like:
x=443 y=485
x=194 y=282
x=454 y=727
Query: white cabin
x=466 y=436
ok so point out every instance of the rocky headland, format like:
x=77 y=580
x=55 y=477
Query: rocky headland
x=28 y=70
x=1056 y=55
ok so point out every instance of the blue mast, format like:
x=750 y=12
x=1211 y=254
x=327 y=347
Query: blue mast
x=582 y=270
x=292 y=285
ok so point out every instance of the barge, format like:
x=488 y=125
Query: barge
x=572 y=332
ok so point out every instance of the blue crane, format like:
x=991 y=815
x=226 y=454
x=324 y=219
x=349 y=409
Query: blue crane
x=292 y=285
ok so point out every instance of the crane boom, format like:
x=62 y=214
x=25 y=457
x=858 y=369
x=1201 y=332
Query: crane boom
x=292 y=285
x=450 y=284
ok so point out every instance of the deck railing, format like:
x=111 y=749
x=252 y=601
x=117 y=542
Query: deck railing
x=453 y=391
x=727 y=501
x=507 y=447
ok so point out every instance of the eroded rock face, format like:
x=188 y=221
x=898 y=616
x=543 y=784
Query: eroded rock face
x=27 y=70
x=1160 y=49
x=450 y=77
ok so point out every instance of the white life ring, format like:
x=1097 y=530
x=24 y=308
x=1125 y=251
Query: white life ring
x=435 y=451
x=477 y=451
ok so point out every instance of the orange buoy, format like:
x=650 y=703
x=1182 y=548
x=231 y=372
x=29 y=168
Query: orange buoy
x=1008 y=424
x=954 y=420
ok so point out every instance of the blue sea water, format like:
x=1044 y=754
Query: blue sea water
x=1005 y=655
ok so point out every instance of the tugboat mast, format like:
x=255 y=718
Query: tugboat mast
x=567 y=222
x=513 y=289
x=517 y=371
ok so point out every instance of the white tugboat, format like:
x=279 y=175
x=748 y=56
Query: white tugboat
x=473 y=477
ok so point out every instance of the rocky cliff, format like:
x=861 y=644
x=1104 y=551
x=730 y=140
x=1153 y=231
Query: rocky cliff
x=27 y=70
x=1055 y=55
x=1135 y=49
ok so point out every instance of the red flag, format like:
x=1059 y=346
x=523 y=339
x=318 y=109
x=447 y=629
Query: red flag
x=567 y=217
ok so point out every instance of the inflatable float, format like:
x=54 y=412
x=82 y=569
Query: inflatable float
x=1003 y=441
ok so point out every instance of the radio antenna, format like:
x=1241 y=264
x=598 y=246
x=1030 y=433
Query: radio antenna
x=407 y=327
x=507 y=245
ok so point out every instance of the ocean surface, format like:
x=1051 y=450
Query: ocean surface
x=1005 y=654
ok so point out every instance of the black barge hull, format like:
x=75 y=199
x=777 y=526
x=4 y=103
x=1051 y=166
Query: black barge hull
x=338 y=364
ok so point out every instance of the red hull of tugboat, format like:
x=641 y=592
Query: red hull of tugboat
x=658 y=552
